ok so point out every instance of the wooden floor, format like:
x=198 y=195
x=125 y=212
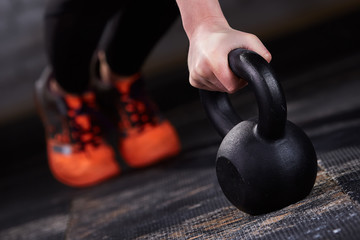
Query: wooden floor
x=180 y=199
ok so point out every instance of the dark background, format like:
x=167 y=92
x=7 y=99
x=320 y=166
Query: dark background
x=301 y=35
x=319 y=36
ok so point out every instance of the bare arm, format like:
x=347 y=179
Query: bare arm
x=211 y=39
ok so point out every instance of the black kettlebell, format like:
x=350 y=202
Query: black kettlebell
x=264 y=164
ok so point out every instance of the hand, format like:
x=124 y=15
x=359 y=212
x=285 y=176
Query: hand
x=210 y=45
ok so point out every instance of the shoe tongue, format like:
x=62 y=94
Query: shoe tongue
x=73 y=101
x=124 y=85
x=76 y=101
x=89 y=97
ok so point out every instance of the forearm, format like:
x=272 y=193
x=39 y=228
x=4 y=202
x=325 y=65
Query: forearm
x=200 y=13
x=210 y=41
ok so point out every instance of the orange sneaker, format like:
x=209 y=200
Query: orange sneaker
x=146 y=136
x=78 y=155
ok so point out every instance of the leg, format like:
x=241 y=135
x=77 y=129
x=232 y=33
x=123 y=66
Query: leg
x=136 y=32
x=147 y=137
x=72 y=32
x=79 y=153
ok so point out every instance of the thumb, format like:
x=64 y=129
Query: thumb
x=253 y=43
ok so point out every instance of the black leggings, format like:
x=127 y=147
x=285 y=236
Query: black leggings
x=73 y=29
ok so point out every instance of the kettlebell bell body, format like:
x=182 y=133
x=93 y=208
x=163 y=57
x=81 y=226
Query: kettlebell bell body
x=263 y=164
x=258 y=175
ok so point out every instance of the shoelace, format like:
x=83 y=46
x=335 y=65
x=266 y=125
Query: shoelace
x=136 y=107
x=138 y=112
x=83 y=130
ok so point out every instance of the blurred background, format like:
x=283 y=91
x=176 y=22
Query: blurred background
x=22 y=54
x=302 y=35
x=299 y=34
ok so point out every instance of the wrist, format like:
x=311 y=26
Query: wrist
x=207 y=25
x=200 y=14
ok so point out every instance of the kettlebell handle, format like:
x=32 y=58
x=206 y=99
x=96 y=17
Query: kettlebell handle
x=251 y=67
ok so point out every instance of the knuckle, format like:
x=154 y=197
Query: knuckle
x=236 y=85
x=252 y=38
x=194 y=82
x=232 y=89
x=200 y=71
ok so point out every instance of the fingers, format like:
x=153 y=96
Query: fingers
x=208 y=59
x=223 y=74
x=202 y=77
x=215 y=75
x=212 y=83
x=252 y=42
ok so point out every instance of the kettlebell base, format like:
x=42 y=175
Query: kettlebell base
x=230 y=181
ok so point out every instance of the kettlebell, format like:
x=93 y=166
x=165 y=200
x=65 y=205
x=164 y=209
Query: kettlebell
x=266 y=163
